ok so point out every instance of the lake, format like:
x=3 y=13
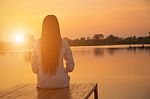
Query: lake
x=121 y=72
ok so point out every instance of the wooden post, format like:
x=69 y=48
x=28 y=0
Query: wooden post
x=96 y=93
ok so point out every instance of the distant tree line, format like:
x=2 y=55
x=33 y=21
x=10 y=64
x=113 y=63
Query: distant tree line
x=98 y=39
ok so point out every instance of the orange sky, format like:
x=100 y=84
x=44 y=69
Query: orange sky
x=76 y=17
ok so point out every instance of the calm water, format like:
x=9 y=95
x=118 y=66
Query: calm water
x=121 y=73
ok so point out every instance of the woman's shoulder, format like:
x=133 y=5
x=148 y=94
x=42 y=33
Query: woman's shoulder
x=36 y=44
x=64 y=42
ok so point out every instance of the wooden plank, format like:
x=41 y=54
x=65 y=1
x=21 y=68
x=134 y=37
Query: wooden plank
x=29 y=91
x=16 y=92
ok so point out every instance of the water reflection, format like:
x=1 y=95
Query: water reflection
x=135 y=49
x=101 y=52
x=98 y=52
x=25 y=55
x=2 y=53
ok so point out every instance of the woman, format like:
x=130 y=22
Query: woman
x=48 y=54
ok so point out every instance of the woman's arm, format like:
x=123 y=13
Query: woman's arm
x=69 y=58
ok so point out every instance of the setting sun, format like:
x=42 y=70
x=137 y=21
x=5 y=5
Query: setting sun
x=19 y=38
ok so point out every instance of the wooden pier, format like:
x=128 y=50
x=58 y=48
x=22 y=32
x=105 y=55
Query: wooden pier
x=29 y=91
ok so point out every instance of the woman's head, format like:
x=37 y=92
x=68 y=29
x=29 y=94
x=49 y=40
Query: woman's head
x=50 y=44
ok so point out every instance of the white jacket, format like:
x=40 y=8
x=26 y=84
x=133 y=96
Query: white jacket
x=61 y=79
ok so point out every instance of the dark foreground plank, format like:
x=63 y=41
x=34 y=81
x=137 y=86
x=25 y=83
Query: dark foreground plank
x=29 y=91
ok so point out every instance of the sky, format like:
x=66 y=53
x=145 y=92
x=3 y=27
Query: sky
x=77 y=18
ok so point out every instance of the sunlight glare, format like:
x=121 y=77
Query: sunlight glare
x=19 y=38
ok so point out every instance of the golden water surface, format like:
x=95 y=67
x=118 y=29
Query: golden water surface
x=121 y=73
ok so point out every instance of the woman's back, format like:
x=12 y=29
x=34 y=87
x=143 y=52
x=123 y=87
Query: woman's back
x=61 y=78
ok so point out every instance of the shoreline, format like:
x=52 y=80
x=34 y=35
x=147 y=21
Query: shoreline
x=127 y=46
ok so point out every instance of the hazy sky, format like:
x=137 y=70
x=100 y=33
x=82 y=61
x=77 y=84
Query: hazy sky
x=76 y=17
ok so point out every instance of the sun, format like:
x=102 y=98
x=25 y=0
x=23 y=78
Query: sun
x=19 y=38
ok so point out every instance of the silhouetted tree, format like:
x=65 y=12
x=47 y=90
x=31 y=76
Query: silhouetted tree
x=88 y=38
x=82 y=38
x=112 y=38
x=98 y=36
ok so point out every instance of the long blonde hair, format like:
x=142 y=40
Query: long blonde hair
x=50 y=44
